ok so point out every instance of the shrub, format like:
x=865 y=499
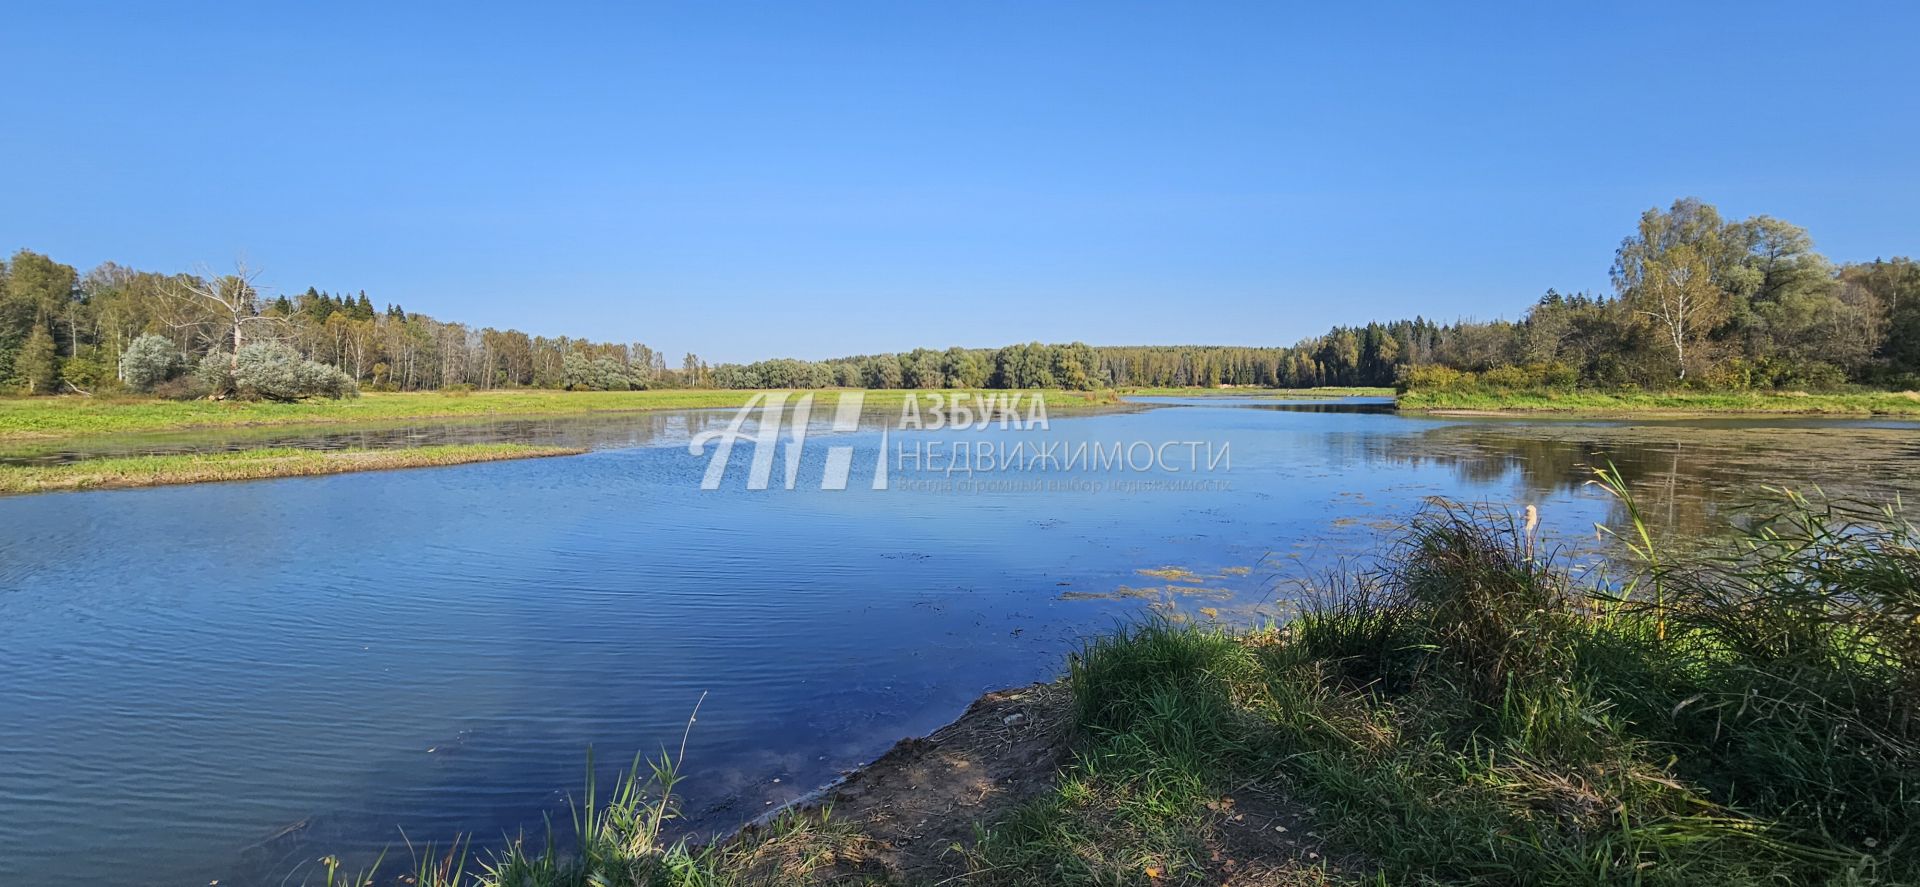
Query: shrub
x=1810 y=375
x=85 y=371
x=213 y=375
x=582 y=373
x=1741 y=373
x=182 y=387
x=1432 y=378
x=274 y=371
x=1732 y=374
x=1500 y=379
x=149 y=361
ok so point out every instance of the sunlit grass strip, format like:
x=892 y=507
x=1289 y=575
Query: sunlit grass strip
x=1249 y=391
x=40 y=417
x=1674 y=403
x=151 y=471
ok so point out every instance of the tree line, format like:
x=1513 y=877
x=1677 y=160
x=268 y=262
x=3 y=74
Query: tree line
x=62 y=331
x=1697 y=301
x=1701 y=301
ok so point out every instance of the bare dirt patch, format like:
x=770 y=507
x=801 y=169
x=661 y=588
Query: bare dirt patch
x=918 y=806
x=925 y=795
x=1259 y=837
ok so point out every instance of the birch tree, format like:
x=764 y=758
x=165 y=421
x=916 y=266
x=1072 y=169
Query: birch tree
x=1678 y=296
x=1675 y=274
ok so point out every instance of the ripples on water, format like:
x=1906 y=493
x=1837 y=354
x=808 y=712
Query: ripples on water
x=226 y=681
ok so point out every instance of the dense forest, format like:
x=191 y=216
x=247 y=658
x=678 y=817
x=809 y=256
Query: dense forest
x=1697 y=301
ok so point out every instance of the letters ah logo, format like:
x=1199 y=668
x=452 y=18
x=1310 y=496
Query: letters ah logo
x=773 y=411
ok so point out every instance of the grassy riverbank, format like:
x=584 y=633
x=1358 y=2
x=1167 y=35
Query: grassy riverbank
x=1671 y=403
x=1465 y=714
x=1469 y=715
x=42 y=417
x=153 y=471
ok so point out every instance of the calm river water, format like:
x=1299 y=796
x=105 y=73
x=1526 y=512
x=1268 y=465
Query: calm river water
x=227 y=681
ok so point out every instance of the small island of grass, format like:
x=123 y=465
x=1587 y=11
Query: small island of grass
x=152 y=471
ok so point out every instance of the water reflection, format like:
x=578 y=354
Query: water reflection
x=1355 y=405
x=1691 y=479
x=1275 y=402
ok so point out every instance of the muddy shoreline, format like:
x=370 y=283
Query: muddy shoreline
x=921 y=800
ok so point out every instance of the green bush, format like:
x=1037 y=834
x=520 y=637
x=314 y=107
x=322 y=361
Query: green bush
x=213 y=375
x=1432 y=377
x=274 y=371
x=86 y=371
x=270 y=371
x=1502 y=379
x=149 y=361
x=1741 y=374
x=582 y=373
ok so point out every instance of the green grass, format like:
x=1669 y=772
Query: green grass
x=150 y=471
x=1874 y=403
x=41 y=417
x=1465 y=715
x=1284 y=393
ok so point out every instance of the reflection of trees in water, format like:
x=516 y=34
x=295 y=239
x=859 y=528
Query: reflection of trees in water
x=1689 y=480
x=1372 y=406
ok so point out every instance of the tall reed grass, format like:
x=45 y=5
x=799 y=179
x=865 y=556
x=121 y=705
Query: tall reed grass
x=1465 y=714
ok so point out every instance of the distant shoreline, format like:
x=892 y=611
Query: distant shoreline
x=37 y=418
x=1671 y=405
x=50 y=419
x=1251 y=391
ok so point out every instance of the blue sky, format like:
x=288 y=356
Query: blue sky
x=747 y=180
